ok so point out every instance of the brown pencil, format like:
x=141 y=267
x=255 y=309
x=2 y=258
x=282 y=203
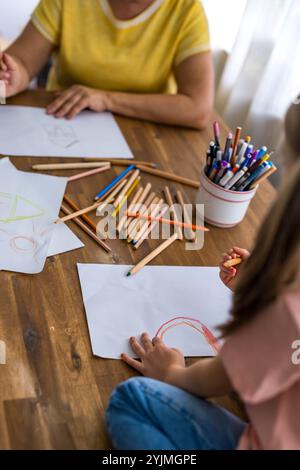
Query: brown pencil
x=170 y=176
x=67 y=166
x=87 y=230
x=152 y=226
x=235 y=145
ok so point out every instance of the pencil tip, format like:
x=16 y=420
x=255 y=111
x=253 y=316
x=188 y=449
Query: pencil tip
x=128 y=274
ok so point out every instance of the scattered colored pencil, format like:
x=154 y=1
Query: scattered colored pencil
x=167 y=221
x=170 y=176
x=136 y=197
x=89 y=173
x=116 y=162
x=86 y=210
x=114 y=182
x=190 y=235
x=153 y=255
x=87 y=230
x=173 y=212
x=67 y=166
x=126 y=196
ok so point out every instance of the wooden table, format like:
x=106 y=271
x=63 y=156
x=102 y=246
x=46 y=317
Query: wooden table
x=53 y=391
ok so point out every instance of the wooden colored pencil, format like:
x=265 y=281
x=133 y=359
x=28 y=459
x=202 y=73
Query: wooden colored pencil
x=132 y=228
x=89 y=173
x=130 y=208
x=86 y=210
x=190 y=234
x=67 y=166
x=128 y=185
x=170 y=176
x=173 y=212
x=153 y=255
x=167 y=221
x=118 y=162
x=113 y=183
x=235 y=145
x=87 y=230
x=154 y=209
x=140 y=201
x=152 y=226
x=232 y=262
x=76 y=208
x=263 y=177
x=126 y=196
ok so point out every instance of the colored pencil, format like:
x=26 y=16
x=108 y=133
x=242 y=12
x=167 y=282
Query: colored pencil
x=154 y=210
x=173 y=211
x=170 y=176
x=76 y=208
x=232 y=262
x=114 y=182
x=140 y=201
x=235 y=145
x=86 y=210
x=87 y=230
x=131 y=232
x=167 y=221
x=128 y=185
x=190 y=234
x=67 y=166
x=152 y=226
x=126 y=196
x=116 y=162
x=153 y=255
x=130 y=208
x=89 y=173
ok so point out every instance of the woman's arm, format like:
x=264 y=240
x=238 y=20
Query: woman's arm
x=24 y=59
x=190 y=107
x=206 y=378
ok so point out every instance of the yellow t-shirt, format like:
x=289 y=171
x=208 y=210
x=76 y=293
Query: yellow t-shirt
x=95 y=49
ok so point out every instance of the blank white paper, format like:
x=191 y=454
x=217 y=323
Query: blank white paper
x=184 y=305
x=28 y=131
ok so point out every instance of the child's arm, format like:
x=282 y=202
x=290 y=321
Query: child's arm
x=229 y=276
x=206 y=378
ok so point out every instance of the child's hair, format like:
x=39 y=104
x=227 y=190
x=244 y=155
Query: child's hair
x=274 y=264
x=292 y=128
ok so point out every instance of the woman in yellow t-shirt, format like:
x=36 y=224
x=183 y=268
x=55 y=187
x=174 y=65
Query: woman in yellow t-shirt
x=147 y=59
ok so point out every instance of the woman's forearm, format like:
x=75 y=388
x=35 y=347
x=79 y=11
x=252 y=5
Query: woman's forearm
x=178 y=110
x=206 y=378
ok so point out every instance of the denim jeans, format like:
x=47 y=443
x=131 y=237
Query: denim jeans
x=144 y=414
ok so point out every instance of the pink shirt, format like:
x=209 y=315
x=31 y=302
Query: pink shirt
x=258 y=360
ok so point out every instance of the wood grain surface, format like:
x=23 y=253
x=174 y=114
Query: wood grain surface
x=53 y=392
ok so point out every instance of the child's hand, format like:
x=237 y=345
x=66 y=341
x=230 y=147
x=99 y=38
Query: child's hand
x=230 y=275
x=157 y=361
x=10 y=74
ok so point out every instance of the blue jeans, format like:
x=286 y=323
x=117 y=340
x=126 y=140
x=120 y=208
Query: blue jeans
x=144 y=414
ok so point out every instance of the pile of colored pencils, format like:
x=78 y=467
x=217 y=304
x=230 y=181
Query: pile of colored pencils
x=238 y=166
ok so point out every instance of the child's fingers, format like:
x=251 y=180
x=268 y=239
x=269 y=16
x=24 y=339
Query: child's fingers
x=241 y=252
x=137 y=365
x=9 y=63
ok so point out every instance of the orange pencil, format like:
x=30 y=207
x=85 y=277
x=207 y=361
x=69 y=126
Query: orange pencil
x=235 y=145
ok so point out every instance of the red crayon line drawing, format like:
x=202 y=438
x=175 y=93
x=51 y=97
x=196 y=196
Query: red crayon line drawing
x=192 y=323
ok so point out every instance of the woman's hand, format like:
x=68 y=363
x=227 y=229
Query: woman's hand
x=71 y=102
x=10 y=74
x=157 y=361
x=229 y=276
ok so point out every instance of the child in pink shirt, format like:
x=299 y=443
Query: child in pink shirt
x=260 y=359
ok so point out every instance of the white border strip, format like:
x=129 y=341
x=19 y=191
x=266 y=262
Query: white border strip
x=129 y=23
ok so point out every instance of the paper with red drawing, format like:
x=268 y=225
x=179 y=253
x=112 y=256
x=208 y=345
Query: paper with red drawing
x=183 y=305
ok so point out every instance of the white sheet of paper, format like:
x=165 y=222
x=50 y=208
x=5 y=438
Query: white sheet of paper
x=28 y=131
x=29 y=205
x=63 y=240
x=183 y=304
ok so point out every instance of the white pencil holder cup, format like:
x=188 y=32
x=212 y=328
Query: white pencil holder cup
x=223 y=208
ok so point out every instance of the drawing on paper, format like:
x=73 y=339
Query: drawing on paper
x=62 y=135
x=15 y=208
x=191 y=323
x=25 y=244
